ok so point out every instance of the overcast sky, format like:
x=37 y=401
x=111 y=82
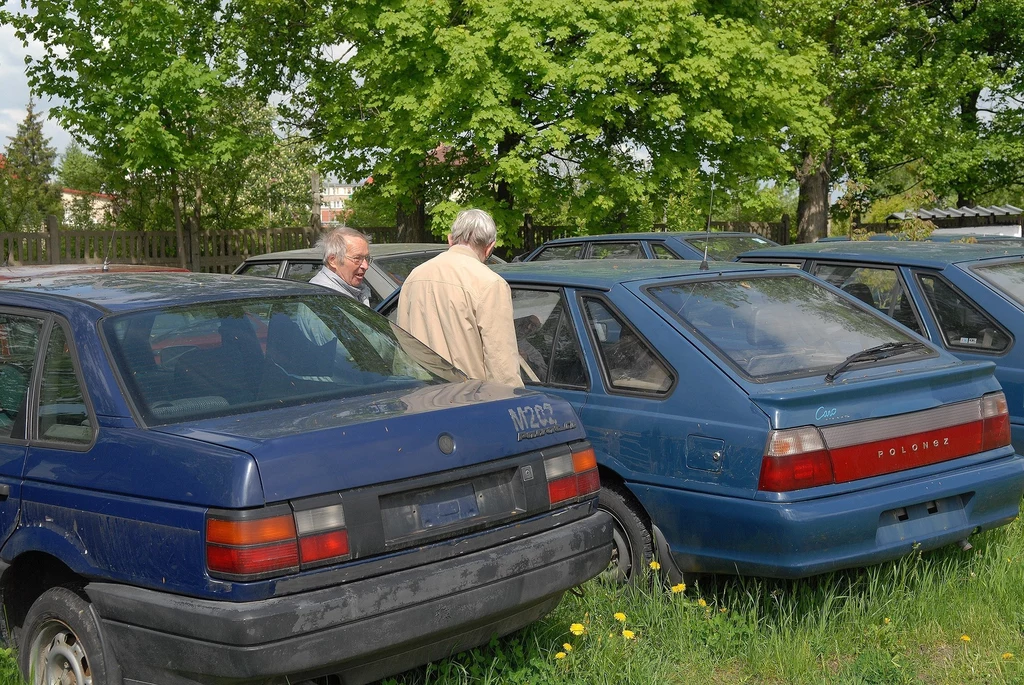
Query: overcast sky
x=14 y=87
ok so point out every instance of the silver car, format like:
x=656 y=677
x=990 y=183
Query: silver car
x=391 y=264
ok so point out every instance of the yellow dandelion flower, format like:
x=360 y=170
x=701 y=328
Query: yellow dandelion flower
x=886 y=620
x=676 y=589
x=559 y=655
x=619 y=616
x=723 y=610
x=965 y=638
x=577 y=629
x=628 y=634
x=655 y=566
x=1007 y=656
x=567 y=647
x=701 y=602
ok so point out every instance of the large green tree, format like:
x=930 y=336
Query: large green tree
x=984 y=155
x=149 y=85
x=887 y=86
x=521 y=107
x=26 y=191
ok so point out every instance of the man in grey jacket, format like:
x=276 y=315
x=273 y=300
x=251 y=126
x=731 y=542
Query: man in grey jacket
x=346 y=259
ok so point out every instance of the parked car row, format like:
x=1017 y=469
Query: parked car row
x=209 y=479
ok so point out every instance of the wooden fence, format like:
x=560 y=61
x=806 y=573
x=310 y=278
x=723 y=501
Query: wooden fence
x=208 y=251
x=223 y=251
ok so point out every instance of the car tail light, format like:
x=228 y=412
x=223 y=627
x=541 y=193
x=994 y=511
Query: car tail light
x=995 y=421
x=322 y=534
x=572 y=476
x=251 y=547
x=795 y=458
x=275 y=542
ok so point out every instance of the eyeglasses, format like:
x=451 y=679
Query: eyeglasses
x=359 y=260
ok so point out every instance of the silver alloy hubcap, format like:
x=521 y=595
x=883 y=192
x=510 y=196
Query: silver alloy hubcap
x=58 y=657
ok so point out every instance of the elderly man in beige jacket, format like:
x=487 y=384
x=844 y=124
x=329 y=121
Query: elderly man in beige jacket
x=460 y=308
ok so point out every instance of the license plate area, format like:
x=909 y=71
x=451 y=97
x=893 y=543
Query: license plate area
x=445 y=508
x=918 y=520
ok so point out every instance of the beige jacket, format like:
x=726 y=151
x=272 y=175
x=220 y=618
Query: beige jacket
x=463 y=311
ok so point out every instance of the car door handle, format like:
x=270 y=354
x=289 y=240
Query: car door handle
x=5 y=491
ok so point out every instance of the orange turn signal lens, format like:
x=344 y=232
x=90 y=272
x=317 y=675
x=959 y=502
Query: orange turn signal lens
x=251 y=532
x=584 y=460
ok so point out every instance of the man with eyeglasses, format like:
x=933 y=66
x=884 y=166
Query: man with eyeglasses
x=346 y=259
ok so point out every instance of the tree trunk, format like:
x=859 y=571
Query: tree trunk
x=812 y=205
x=966 y=187
x=412 y=222
x=178 y=230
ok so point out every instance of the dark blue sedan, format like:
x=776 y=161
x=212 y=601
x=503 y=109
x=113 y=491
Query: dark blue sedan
x=214 y=479
x=967 y=298
x=720 y=245
x=755 y=420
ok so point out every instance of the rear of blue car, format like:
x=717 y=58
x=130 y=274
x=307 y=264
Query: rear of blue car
x=285 y=487
x=845 y=441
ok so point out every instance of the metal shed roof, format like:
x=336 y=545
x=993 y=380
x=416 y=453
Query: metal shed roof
x=956 y=212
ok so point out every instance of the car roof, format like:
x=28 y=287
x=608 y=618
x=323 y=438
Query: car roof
x=603 y=274
x=120 y=292
x=376 y=250
x=650 y=235
x=909 y=253
x=8 y=273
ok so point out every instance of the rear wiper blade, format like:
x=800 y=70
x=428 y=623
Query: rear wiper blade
x=876 y=353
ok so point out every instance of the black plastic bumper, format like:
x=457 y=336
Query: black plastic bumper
x=363 y=630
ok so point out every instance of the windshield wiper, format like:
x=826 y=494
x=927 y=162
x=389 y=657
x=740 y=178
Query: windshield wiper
x=876 y=353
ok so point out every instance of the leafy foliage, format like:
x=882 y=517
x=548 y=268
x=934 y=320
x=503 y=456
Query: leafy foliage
x=520 y=107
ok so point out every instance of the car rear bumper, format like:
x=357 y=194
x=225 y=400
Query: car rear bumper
x=363 y=630
x=711 y=534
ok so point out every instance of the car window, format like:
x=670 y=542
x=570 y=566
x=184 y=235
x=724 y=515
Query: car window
x=398 y=267
x=725 y=248
x=1007 y=278
x=548 y=351
x=302 y=271
x=221 y=358
x=559 y=252
x=878 y=287
x=779 y=325
x=19 y=341
x=963 y=324
x=264 y=269
x=63 y=415
x=616 y=250
x=627 y=361
x=662 y=252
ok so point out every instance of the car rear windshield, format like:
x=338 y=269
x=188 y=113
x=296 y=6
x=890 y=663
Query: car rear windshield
x=725 y=248
x=1008 y=278
x=221 y=358
x=770 y=327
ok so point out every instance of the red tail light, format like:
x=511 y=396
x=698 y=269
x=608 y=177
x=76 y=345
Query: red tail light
x=252 y=547
x=995 y=421
x=247 y=547
x=572 y=476
x=794 y=459
x=805 y=457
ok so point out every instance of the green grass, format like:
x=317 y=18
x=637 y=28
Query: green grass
x=901 y=622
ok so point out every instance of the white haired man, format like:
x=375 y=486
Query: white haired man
x=461 y=309
x=346 y=259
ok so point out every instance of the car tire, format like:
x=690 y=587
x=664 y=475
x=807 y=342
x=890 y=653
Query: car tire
x=62 y=634
x=633 y=548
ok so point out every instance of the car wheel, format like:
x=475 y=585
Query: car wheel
x=632 y=550
x=61 y=642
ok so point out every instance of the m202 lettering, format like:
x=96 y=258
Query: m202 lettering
x=915 y=447
x=532 y=417
x=823 y=413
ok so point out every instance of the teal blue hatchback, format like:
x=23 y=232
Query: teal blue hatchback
x=969 y=299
